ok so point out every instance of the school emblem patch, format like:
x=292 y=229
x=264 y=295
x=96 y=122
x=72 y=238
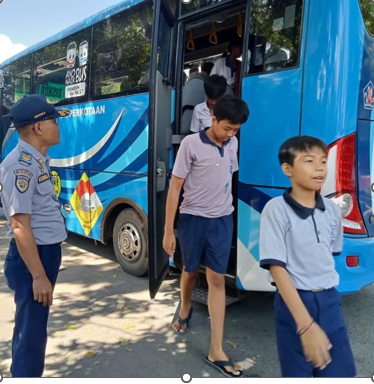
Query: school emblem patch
x=23 y=177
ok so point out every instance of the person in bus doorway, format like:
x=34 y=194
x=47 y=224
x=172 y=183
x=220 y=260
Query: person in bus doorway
x=214 y=87
x=229 y=66
x=299 y=234
x=36 y=227
x=204 y=166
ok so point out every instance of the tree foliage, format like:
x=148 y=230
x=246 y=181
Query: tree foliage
x=367 y=8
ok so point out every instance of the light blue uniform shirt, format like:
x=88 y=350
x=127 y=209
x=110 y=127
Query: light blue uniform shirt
x=26 y=187
x=302 y=240
x=201 y=118
x=207 y=170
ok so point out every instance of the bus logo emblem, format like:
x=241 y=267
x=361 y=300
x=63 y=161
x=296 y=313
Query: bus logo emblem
x=83 y=53
x=368 y=96
x=71 y=54
x=86 y=204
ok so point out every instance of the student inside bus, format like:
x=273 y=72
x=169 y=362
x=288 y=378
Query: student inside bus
x=215 y=88
x=229 y=66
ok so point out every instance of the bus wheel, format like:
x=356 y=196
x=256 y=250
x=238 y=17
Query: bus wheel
x=129 y=242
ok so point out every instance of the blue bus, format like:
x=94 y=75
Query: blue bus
x=132 y=74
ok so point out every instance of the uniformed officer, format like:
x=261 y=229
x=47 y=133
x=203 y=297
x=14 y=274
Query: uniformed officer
x=37 y=228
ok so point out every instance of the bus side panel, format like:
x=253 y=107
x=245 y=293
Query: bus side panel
x=365 y=137
x=133 y=187
x=84 y=201
x=274 y=101
x=102 y=156
x=103 y=135
x=334 y=87
x=333 y=63
x=250 y=277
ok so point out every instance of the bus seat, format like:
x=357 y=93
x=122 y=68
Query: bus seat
x=229 y=91
x=194 y=72
x=193 y=94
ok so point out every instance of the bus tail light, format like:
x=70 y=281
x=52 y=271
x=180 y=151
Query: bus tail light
x=352 y=261
x=341 y=183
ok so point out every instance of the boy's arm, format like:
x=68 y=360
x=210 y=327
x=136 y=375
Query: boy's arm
x=171 y=209
x=181 y=169
x=290 y=296
x=195 y=126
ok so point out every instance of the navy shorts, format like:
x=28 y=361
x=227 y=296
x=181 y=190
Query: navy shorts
x=205 y=241
x=324 y=307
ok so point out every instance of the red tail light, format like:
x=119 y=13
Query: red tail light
x=352 y=261
x=344 y=192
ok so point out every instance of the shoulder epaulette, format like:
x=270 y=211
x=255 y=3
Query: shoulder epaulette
x=25 y=158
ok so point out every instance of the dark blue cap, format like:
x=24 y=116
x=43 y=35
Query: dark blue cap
x=33 y=108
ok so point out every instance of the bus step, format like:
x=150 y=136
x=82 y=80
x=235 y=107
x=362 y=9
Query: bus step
x=200 y=295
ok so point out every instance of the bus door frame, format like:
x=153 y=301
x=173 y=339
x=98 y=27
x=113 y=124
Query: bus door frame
x=160 y=142
x=161 y=89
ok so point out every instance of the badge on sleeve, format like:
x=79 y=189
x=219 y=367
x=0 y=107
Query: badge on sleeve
x=23 y=177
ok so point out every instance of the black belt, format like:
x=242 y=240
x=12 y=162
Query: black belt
x=13 y=241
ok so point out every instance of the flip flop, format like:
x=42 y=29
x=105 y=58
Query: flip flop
x=219 y=366
x=184 y=321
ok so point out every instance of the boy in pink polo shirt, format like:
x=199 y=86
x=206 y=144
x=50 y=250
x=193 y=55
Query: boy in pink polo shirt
x=204 y=167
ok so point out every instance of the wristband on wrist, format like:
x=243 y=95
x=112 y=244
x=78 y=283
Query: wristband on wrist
x=38 y=275
x=301 y=331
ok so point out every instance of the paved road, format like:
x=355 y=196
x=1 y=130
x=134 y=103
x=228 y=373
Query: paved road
x=100 y=309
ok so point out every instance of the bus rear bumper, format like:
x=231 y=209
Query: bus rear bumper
x=352 y=279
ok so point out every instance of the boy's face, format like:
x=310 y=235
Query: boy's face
x=224 y=130
x=236 y=51
x=309 y=169
x=211 y=102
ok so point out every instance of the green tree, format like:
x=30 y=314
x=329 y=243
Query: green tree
x=367 y=8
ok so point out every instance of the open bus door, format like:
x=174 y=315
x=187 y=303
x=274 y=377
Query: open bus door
x=160 y=137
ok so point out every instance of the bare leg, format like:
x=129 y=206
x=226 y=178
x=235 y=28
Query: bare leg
x=217 y=307
x=188 y=280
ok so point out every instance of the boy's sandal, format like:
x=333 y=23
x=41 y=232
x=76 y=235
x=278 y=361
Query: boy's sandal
x=220 y=365
x=182 y=322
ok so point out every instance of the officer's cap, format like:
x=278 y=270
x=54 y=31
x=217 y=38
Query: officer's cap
x=33 y=108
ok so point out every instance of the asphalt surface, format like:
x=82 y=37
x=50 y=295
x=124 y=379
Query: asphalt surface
x=103 y=324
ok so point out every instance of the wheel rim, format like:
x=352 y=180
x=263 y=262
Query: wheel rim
x=129 y=242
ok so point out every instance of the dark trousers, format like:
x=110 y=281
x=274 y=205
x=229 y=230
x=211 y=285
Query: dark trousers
x=324 y=307
x=30 y=330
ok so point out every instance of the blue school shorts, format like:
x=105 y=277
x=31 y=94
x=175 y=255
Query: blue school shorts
x=325 y=308
x=205 y=241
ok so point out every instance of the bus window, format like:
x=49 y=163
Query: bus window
x=188 y=6
x=16 y=80
x=367 y=9
x=208 y=41
x=163 y=51
x=121 y=54
x=61 y=69
x=275 y=33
